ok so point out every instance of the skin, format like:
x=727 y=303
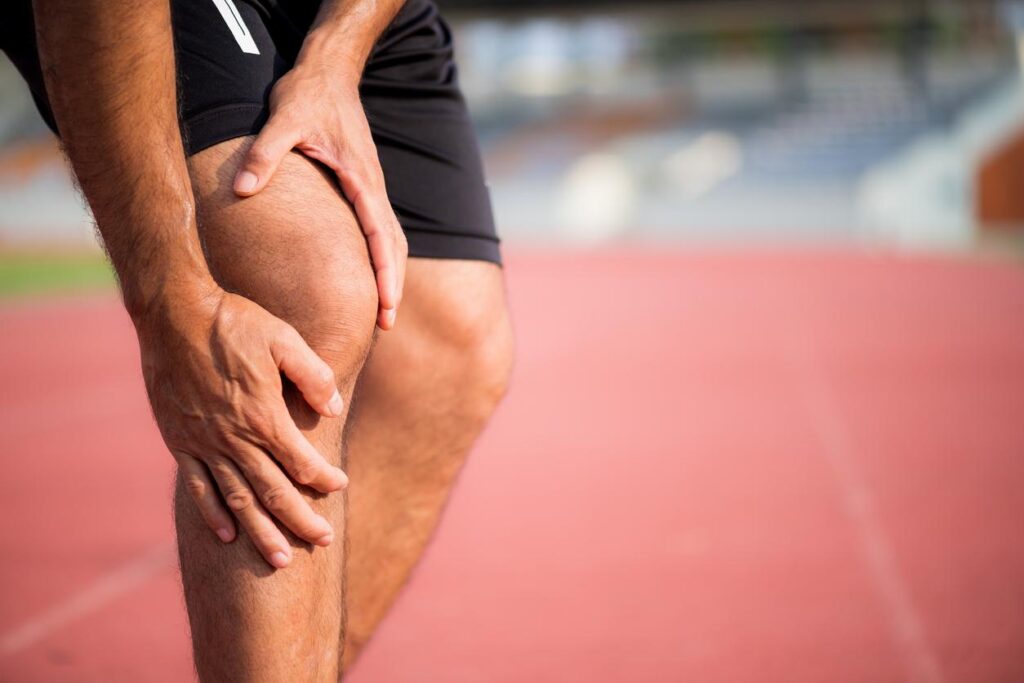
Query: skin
x=297 y=250
x=414 y=429
x=415 y=423
x=218 y=329
x=315 y=109
x=412 y=423
x=109 y=72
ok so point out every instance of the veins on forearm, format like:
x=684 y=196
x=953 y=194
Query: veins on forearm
x=109 y=69
x=348 y=29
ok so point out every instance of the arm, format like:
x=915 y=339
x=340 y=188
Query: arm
x=211 y=360
x=347 y=31
x=315 y=108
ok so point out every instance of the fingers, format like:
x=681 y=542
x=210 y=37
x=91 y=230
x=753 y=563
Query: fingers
x=384 y=239
x=303 y=462
x=258 y=525
x=261 y=161
x=313 y=377
x=200 y=487
x=366 y=190
x=387 y=251
x=280 y=498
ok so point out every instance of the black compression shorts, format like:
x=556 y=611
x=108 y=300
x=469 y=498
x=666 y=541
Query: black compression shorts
x=231 y=52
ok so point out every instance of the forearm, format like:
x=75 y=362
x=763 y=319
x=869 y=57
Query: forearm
x=109 y=69
x=345 y=32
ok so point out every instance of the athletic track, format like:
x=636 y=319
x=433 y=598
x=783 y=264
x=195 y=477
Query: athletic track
x=713 y=466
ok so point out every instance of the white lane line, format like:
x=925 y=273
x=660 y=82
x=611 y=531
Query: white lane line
x=106 y=589
x=918 y=657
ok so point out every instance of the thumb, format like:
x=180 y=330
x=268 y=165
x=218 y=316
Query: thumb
x=261 y=161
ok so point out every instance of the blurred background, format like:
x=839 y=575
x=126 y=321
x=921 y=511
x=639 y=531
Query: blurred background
x=765 y=260
x=893 y=123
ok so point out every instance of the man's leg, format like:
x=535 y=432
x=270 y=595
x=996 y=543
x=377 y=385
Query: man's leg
x=423 y=397
x=296 y=250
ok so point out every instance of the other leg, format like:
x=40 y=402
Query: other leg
x=423 y=397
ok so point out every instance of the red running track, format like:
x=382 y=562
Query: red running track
x=712 y=466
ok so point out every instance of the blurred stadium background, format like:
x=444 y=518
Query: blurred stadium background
x=792 y=360
x=873 y=122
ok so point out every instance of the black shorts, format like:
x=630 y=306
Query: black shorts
x=231 y=52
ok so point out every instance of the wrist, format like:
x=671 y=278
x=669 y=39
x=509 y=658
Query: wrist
x=170 y=295
x=328 y=47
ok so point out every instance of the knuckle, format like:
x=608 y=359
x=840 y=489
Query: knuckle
x=285 y=118
x=321 y=140
x=259 y=424
x=304 y=472
x=238 y=499
x=288 y=338
x=220 y=469
x=196 y=488
x=309 y=532
x=349 y=174
x=223 y=431
x=259 y=156
x=354 y=191
x=275 y=499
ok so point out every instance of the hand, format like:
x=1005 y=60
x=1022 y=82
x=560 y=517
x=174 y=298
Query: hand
x=213 y=374
x=317 y=111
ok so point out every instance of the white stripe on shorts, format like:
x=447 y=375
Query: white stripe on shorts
x=238 y=28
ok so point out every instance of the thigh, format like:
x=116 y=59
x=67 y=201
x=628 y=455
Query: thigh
x=228 y=63
x=296 y=248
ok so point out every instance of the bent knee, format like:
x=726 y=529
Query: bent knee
x=295 y=248
x=488 y=355
x=480 y=350
x=335 y=310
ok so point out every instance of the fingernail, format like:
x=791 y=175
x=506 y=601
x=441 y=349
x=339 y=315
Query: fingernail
x=246 y=181
x=392 y=314
x=225 y=535
x=335 y=405
x=279 y=560
x=325 y=539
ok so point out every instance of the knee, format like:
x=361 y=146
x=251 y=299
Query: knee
x=295 y=248
x=490 y=354
x=481 y=351
x=335 y=310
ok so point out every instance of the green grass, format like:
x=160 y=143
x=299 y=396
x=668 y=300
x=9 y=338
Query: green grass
x=32 y=274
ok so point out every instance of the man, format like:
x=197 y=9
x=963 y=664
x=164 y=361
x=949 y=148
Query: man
x=256 y=270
